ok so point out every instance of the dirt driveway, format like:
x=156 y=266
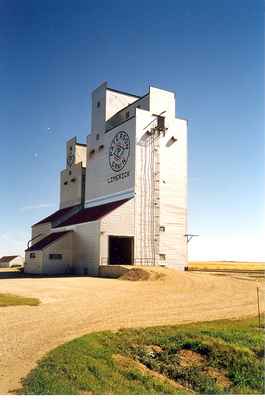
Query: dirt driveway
x=73 y=306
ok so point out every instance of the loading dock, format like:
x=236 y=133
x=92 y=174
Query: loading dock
x=121 y=250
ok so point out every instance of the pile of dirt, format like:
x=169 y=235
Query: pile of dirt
x=189 y=358
x=140 y=274
x=128 y=363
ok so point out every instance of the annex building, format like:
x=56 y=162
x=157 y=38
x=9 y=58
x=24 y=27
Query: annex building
x=123 y=194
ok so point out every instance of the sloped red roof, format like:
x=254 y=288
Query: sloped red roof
x=57 y=215
x=7 y=258
x=47 y=240
x=92 y=213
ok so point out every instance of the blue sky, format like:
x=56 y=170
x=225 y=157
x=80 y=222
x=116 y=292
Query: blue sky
x=210 y=52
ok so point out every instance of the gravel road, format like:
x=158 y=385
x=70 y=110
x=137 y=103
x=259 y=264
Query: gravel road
x=73 y=306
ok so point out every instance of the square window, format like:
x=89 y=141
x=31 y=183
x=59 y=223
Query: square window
x=32 y=255
x=55 y=256
x=162 y=229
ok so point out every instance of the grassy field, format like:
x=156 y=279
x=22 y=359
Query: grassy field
x=229 y=265
x=212 y=357
x=7 y=299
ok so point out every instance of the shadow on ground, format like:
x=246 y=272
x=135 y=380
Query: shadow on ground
x=9 y=273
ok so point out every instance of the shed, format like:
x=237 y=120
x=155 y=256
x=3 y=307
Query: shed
x=10 y=261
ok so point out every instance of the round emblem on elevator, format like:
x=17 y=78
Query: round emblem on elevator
x=119 y=151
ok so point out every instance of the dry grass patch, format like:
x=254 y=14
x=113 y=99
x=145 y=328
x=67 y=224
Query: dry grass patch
x=226 y=265
x=128 y=363
x=188 y=358
x=8 y=299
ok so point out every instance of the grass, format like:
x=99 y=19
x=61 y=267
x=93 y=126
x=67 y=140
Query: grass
x=220 y=357
x=229 y=265
x=7 y=299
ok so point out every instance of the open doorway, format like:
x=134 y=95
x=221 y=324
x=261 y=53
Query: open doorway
x=121 y=250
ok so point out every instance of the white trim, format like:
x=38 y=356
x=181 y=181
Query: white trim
x=110 y=198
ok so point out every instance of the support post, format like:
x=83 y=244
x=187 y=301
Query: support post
x=258 y=306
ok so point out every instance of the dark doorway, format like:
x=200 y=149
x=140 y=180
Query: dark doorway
x=121 y=250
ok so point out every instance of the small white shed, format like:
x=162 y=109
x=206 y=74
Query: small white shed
x=10 y=261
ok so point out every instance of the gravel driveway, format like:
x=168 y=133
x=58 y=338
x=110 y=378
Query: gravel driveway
x=73 y=306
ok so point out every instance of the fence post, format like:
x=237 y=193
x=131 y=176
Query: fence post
x=258 y=306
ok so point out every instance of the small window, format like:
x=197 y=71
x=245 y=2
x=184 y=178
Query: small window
x=55 y=256
x=97 y=136
x=101 y=147
x=71 y=148
x=127 y=114
x=65 y=183
x=73 y=180
x=98 y=104
x=92 y=152
x=162 y=257
x=32 y=255
x=139 y=106
x=162 y=229
x=70 y=172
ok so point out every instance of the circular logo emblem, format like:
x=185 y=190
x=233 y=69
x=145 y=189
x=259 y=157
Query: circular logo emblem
x=119 y=151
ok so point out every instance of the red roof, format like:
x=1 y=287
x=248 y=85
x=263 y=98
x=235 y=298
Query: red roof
x=47 y=241
x=92 y=213
x=57 y=215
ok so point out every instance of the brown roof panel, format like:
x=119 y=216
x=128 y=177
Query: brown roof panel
x=7 y=258
x=47 y=241
x=92 y=213
x=57 y=215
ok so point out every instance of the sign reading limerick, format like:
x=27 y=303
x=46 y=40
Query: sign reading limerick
x=119 y=151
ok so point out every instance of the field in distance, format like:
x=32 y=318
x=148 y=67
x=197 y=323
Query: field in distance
x=227 y=265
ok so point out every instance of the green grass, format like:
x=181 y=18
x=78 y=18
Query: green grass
x=7 y=299
x=90 y=364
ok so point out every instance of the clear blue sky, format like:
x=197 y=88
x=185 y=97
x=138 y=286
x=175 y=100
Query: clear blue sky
x=210 y=52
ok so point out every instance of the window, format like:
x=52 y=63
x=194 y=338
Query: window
x=97 y=136
x=71 y=148
x=127 y=114
x=98 y=104
x=92 y=152
x=162 y=229
x=73 y=180
x=101 y=147
x=32 y=255
x=162 y=257
x=55 y=256
x=70 y=172
x=65 y=183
